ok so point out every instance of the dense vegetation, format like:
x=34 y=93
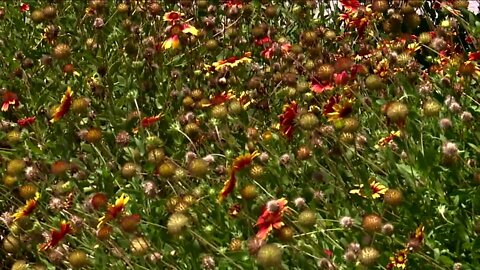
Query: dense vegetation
x=199 y=134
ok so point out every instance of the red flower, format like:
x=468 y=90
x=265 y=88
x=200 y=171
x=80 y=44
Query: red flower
x=271 y=217
x=234 y=3
x=287 y=119
x=221 y=98
x=261 y=41
x=268 y=52
x=27 y=121
x=399 y=260
x=24 y=7
x=57 y=236
x=319 y=87
x=114 y=210
x=474 y=56
x=350 y=4
x=341 y=78
x=228 y=186
x=9 y=98
x=172 y=16
x=64 y=106
x=148 y=121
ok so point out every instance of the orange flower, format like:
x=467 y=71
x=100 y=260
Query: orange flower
x=384 y=141
x=233 y=61
x=219 y=98
x=27 y=209
x=148 y=121
x=57 y=236
x=243 y=161
x=271 y=217
x=238 y=163
x=64 y=106
x=318 y=87
x=287 y=119
x=172 y=16
x=114 y=210
x=172 y=42
x=376 y=189
x=9 y=98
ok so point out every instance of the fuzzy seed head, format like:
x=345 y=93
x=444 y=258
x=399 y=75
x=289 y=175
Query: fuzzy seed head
x=270 y=255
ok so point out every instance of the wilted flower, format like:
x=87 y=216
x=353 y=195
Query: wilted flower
x=346 y=222
x=450 y=149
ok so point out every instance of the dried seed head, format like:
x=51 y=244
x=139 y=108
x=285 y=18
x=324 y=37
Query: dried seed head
x=270 y=255
x=307 y=218
x=450 y=149
x=139 y=246
x=78 y=259
x=393 y=197
x=177 y=223
x=346 y=222
x=372 y=223
x=445 y=123
x=368 y=256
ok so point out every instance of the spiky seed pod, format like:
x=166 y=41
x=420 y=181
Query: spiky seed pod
x=94 y=135
x=396 y=111
x=139 y=246
x=219 y=112
x=330 y=35
x=235 y=244
x=154 y=8
x=11 y=244
x=59 y=167
x=374 y=82
x=407 y=9
x=310 y=38
x=307 y=218
x=286 y=234
x=156 y=156
x=80 y=105
x=61 y=51
x=270 y=255
x=198 y=167
x=249 y=192
x=9 y=180
x=20 y=265
x=166 y=169
x=37 y=16
x=104 y=232
x=368 y=256
x=78 y=259
x=177 y=223
x=235 y=107
x=325 y=72
x=99 y=201
x=460 y=4
x=431 y=108
x=257 y=171
x=192 y=129
x=271 y=11
x=16 y=167
x=130 y=223
x=122 y=8
x=350 y=124
x=380 y=6
x=393 y=197
x=425 y=38
x=304 y=153
x=372 y=223
x=49 y=12
x=412 y=20
x=308 y=121
x=130 y=170
x=347 y=138
x=387 y=229
x=211 y=44
x=14 y=137
x=27 y=191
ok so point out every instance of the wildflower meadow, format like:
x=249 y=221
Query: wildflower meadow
x=239 y=134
